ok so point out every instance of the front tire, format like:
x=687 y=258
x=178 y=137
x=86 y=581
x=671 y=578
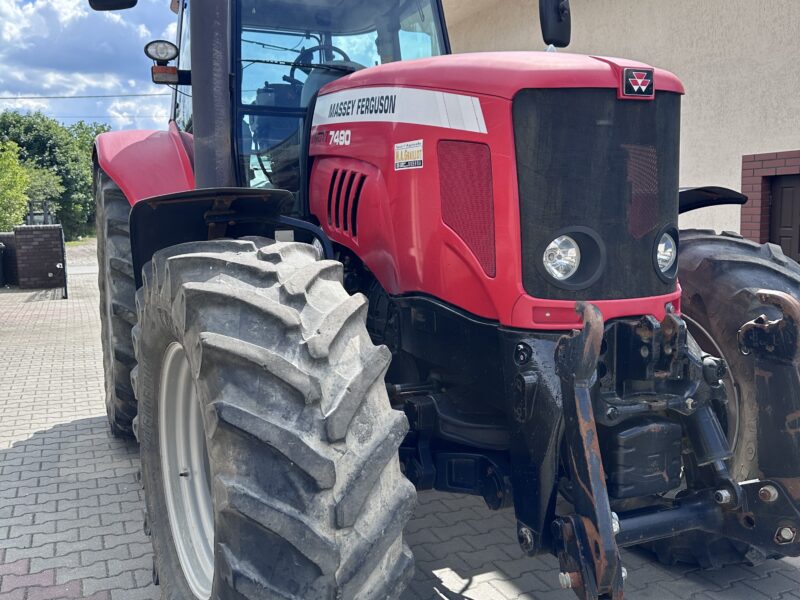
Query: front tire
x=307 y=497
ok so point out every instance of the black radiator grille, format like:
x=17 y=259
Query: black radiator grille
x=586 y=159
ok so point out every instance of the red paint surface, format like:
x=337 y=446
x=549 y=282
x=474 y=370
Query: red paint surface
x=402 y=237
x=503 y=74
x=146 y=163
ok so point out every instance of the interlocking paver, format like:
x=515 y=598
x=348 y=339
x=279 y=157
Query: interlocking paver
x=73 y=589
x=71 y=509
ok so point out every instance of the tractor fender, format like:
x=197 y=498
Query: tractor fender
x=692 y=198
x=147 y=163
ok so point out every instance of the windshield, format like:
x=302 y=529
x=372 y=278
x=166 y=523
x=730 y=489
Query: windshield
x=289 y=50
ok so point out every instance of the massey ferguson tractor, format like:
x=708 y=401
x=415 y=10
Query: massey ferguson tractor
x=356 y=266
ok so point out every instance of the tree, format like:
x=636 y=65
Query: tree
x=13 y=182
x=44 y=187
x=66 y=151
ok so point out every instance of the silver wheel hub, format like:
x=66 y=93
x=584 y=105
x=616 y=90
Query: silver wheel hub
x=186 y=472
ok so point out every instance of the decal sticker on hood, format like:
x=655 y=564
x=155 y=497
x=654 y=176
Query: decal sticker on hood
x=408 y=155
x=401 y=105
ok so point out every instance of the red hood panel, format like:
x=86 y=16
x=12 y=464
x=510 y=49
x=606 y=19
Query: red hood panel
x=502 y=74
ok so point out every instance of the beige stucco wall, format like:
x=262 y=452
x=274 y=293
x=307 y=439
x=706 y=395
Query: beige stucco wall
x=738 y=59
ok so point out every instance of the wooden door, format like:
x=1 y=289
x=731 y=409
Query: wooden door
x=785 y=215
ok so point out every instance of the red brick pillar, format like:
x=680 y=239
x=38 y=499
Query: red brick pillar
x=40 y=251
x=757 y=171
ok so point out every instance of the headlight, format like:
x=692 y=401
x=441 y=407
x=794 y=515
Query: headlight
x=666 y=252
x=161 y=51
x=562 y=258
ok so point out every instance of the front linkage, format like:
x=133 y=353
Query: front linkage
x=587 y=552
x=685 y=384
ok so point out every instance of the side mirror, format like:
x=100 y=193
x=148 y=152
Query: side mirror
x=112 y=4
x=555 y=21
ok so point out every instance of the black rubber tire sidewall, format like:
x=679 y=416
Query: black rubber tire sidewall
x=113 y=286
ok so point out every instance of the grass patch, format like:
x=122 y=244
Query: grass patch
x=81 y=241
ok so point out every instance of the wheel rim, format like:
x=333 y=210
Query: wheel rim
x=186 y=472
x=731 y=409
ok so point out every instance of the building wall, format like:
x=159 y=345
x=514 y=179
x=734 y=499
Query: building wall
x=739 y=61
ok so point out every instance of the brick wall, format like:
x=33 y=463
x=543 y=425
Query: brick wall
x=40 y=248
x=9 y=258
x=757 y=173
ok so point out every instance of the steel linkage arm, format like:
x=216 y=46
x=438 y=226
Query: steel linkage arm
x=587 y=550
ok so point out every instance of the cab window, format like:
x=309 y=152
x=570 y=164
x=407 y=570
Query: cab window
x=183 y=93
x=289 y=52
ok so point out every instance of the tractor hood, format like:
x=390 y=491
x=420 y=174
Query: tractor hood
x=503 y=74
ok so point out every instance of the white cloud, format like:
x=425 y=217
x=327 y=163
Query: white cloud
x=66 y=10
x=71 y=84
x=140 y=113
x=113 y=17
x=16 y=19
x=25 y=105
x=170 y=33
x=62 y=48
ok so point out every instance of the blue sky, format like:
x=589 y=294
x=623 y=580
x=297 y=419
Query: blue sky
x=63 y=48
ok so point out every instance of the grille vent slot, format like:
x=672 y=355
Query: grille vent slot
x=344 y=195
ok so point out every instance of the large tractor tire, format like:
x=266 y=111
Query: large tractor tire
x=720 y=275
x=268 y=444
x=117 y=302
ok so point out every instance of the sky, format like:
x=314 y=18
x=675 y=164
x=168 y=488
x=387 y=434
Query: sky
x=63 y=48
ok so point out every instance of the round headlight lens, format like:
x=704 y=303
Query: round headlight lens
x=562 y=257
x=667 y=252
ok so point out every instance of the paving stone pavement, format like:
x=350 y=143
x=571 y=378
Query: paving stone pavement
x=71 y=509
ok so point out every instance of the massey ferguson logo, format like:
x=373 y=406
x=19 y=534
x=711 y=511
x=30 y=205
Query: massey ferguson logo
x=637 y=82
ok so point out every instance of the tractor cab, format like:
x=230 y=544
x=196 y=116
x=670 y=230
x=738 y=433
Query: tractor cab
x=287 y=51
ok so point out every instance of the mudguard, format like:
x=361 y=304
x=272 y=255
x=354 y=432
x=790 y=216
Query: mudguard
x=146 y=163
x=692 y=198
x=211 y=213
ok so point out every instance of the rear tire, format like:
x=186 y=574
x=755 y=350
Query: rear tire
x=117 y=302
x=720 y=275
x=308 y=498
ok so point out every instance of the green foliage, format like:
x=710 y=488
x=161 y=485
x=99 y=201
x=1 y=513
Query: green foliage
x=44 y=185
x=13 y=182
x=64 y=151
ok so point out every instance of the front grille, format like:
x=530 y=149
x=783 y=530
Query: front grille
x=466 y=190
x=344 y=194
x=587 y=160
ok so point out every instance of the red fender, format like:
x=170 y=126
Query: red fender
x=147 y=163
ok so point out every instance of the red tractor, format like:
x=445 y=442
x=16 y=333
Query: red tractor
x=356 y=265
